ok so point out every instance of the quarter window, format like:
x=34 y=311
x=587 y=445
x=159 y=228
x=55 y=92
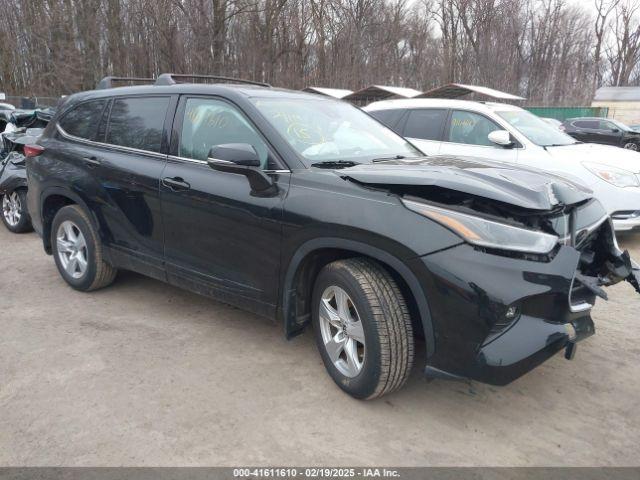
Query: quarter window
x=209 y=122
x=471 y=128
x=137 y=122
x=425 y=124
x=82 y=121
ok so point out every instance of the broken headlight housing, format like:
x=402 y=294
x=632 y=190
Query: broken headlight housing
x=487 y=233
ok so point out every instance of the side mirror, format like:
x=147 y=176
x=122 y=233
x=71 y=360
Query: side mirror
x=615 y=130
x=501 y=137
x=242 y=158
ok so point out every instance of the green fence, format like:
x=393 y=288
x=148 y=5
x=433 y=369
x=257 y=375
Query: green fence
x=562 y=113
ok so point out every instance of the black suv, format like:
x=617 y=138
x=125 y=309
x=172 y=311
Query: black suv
x=307 y=210
x=602 y=130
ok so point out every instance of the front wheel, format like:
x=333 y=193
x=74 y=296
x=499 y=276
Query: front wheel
x=14 y=212
x=631 y=146
x=362 y=327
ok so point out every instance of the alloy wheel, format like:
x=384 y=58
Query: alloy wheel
x=12 y=208
x=342 y=332
x=72 y=249
x=631 y=146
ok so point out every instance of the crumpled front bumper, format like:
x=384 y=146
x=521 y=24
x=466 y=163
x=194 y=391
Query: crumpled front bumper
x=498 y=317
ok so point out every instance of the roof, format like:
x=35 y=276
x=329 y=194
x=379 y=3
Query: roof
x=617 y=94
x=330 y=92
x=229 y=90
x=455 y=90
x=439 y=103
x=379 y=92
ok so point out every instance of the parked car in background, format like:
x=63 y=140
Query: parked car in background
x=552 y=121
x=13 y=178
x=510 y=134
x=602 y=130
x=304 y=209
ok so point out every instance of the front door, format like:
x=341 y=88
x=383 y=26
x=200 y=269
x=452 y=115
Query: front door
x=219 y=239
x=467 y=135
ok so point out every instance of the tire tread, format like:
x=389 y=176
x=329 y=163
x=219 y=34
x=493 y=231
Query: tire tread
x=392 y=319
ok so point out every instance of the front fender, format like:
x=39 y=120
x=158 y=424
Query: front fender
x=288 y=297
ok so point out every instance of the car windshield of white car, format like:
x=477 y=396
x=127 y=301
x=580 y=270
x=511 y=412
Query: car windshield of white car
x=328 y=131
x=535 y=129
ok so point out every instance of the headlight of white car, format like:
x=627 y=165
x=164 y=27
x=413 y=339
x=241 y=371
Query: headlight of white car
x=487 y=233
x=613 y=175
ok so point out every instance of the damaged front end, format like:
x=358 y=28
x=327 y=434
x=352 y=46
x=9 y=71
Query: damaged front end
x=538 y=250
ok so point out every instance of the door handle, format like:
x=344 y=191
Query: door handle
x=92 y=161
x=175 y=183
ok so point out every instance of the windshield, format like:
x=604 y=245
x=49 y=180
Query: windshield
x=332 y=131
x=620 y=125
x=536 y=129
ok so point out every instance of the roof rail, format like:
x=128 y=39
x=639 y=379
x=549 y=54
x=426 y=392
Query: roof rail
x=170 y=79
x=107 y=82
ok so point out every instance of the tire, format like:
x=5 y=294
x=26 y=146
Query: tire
x=70 y=255
x=383 y=362
x=631 y=146
x=14 y=211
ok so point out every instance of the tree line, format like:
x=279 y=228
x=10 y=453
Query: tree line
x=554 y=52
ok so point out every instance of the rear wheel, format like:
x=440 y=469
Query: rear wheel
x=14 y=211
x=362 y=328
x=78 y=251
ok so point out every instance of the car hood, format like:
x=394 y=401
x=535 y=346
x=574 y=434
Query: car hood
x=594 y=152
x=525 y=187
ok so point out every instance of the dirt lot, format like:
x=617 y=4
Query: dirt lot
x=143 y=373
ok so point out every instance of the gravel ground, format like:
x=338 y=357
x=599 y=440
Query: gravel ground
x=143 y=373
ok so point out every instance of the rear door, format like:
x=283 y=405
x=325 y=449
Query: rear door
x=424 y=128
x=586 y=131
x=466 y=134
x=220 y=239
x=129 y=166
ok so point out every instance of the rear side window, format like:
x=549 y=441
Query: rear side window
x=425 y=124
x=82 y=121
x=389 y=118
x=137 y=122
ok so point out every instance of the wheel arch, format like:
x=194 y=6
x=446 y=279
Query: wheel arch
x=312 y=256
x=52 y=200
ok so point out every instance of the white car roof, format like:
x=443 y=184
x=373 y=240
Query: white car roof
x=401 y=104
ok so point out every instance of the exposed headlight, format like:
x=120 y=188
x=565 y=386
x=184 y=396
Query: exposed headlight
x=613 y=175
x=487 y=233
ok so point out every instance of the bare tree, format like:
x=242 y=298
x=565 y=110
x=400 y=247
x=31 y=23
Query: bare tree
x=551 y=51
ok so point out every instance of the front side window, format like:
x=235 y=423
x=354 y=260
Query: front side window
x=82 y=121
x=425 y=124
x=536 y=130
x=326 y=130
x=591 y=124
x=209 y=122
x=137 y=122
x=471 y=128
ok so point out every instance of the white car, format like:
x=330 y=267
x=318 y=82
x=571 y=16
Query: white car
x=508 y=133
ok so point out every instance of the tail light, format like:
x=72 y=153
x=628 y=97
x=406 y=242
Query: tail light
x=32 y=150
